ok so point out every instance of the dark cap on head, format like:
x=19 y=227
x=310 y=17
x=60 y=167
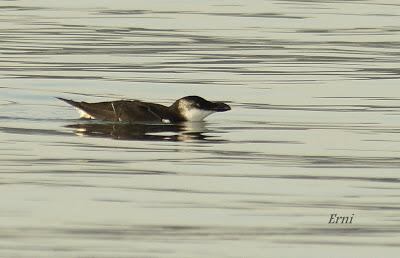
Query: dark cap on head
x=201 y=103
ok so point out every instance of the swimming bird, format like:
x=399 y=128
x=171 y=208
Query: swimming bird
x=189 y=108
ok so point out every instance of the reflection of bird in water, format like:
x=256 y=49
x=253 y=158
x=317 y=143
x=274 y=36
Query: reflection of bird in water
x=190 y=108
x=146 y=132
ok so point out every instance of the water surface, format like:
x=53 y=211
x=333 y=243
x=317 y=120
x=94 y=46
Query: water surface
x=314 y=129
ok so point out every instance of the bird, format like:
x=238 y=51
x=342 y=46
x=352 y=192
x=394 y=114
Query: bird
x=186 y=109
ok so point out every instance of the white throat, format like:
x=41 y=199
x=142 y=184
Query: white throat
x=195 y=115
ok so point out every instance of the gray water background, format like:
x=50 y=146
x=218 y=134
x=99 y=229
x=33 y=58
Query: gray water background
x=313 y=130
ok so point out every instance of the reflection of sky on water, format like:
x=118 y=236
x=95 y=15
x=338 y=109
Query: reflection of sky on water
x=313 y=129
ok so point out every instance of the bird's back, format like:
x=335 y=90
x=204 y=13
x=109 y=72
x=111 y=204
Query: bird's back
x=124 y=110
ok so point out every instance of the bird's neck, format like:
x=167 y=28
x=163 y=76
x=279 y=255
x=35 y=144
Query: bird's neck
x=176 y=114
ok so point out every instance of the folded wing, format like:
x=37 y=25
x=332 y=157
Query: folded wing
x=121 y=110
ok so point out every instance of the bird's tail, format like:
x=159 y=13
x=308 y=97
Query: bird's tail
x=71 y=102
x=83 y=111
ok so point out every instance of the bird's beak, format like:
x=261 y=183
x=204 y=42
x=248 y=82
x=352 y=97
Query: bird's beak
x=220 y=107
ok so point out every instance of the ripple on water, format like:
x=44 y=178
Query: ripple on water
x=313 y=129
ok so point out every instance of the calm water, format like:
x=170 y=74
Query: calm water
x=314 y=129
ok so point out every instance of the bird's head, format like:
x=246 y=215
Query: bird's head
x=195 y=108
